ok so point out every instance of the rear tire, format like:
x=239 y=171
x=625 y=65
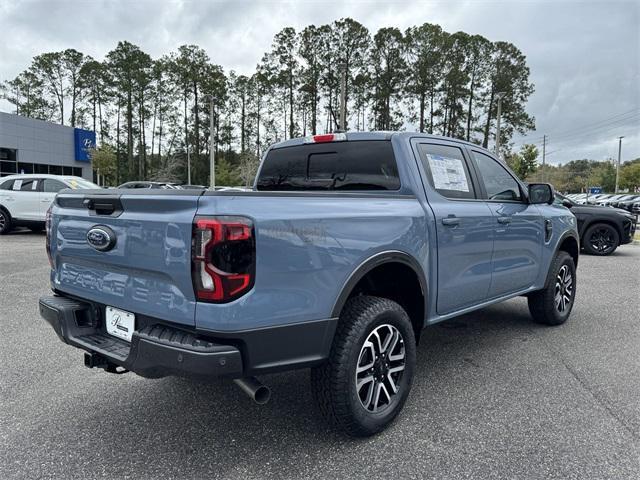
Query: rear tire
x=5 y=222
x=553 y=304
x=601 y=239
x=366 y=380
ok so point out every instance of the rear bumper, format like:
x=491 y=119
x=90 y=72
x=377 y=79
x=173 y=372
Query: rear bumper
x=155 y=351
x=160 y=349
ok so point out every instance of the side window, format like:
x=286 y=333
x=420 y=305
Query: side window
x=26 y=185
x=447 y=170
x=7 y=185
x=498 y=182
x=53 y=186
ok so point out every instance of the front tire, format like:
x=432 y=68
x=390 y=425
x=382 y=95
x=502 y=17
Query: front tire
x=365 y=382
x=5 y=222
x=601 y=239
x=553 y=304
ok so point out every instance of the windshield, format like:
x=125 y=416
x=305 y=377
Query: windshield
x=559 y=198
x=80 y=183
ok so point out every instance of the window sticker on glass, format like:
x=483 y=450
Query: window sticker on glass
x=448 y=173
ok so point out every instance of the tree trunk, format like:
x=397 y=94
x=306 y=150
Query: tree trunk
x=422 y=102
x=118 y=146
x=314 y=109
x=160 y=119
x=485 y=142
x=130 y=133
x=284 y=117
x=445 y=120
x=153 y=129
x=259 y=100
x=431 y=111
x=242 y=122
x=61 y=101
x=143 y=135
x=93 y=101
x=470 y=108
x=346 y=94
x=291 y=105
x=186 y=130
x=140 y=143
x=330 y=113
x=196 y=126
x=73 y=102
x=100 y=119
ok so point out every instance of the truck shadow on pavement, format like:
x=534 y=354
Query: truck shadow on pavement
x=213 y=427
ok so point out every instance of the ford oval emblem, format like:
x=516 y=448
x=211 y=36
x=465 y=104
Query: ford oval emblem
x=101 y=238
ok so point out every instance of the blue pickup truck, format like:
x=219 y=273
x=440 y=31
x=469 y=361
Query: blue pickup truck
x=347 y=247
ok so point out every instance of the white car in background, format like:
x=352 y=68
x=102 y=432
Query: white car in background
x=25 y=199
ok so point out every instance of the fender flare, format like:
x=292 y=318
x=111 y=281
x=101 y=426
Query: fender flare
x=562 y=238
x=389 y=256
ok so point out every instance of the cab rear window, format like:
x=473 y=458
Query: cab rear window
x=345 y=166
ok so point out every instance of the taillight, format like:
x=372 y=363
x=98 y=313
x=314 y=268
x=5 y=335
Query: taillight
x=47 y=226
x=328 y=137
x=223 y=258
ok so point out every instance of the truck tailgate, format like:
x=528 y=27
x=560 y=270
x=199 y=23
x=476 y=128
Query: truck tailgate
x=147 y=271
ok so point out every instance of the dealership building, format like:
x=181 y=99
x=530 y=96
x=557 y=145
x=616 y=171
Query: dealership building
x=35 y=146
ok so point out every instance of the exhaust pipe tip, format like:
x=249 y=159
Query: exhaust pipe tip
x=256 y=390
x=262 y=395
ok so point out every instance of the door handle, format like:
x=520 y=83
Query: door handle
x=451 y=221
x=504 y=220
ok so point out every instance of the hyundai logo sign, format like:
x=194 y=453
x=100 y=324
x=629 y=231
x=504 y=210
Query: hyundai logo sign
x=101 y=238
x=85 y=140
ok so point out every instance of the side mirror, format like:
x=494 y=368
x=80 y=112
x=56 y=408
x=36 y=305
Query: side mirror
x=540 y=193
x=567 y=203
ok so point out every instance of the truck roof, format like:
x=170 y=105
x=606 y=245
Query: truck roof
x=16 y=176
x=378 y=135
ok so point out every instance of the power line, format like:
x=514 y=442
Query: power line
x=586 y=129
x=602 y=127
x=577 y=137
x=592 y=130
x=616 y=117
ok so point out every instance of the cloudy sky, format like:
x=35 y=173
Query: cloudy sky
x=584 y=55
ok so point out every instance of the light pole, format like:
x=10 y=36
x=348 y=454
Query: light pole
x=618 y=165
x=499 y=96
x=544 y=155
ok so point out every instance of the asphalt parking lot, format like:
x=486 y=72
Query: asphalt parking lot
x=495 y=396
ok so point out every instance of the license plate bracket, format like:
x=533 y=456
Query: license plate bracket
x=120 y=323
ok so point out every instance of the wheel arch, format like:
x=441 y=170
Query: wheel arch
x=569 y=243
x=362 y=280
x=5 y=209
